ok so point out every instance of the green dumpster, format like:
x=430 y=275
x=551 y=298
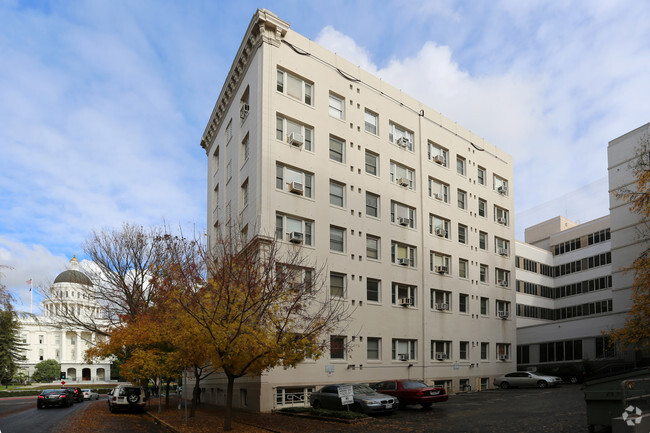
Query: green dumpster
x=607 y=397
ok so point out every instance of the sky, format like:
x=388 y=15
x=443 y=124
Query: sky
x=103 y=103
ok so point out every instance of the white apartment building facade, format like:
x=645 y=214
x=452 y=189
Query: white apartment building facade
x=412 y=214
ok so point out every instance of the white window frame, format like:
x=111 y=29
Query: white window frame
x=376 y=198
x=307 y=88
x=461 y=165
x=284 y=124
x=439 y=259
x=397 y=131
x=501 y=307
x=484 y=273
x=500 y=212
x=369 y=240
x=502 y=275
x=342 y=287
x=503 y=349
x=343 y=340
x=439 y=188
x=438 y=222
x=463 y=268
x=399 y=345
x=481 y=180
x=376 y=349
x=374 y=157
x=460 y=303
x=378 y=281
x=336 y=106
x=434 y=150
x=399 y=171
x=337 y=193
x=483 y=238
x=498 y=181
x=440 y=297
x=484 y=302
x=501 y=244
x=462 y=199
x=482 y=208
x=306 y=228
x=285 y=175
x=335 y=154
x=462 y=233
x=399 y=210
x=463 y=348
x=398 y=289
x=342 y=232
x=441 y=346
x=411 y=253
x=371 y=122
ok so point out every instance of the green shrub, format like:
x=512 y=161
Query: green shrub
x=325 y=413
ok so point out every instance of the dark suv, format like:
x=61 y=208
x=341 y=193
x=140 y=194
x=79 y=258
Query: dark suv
x=78 y=396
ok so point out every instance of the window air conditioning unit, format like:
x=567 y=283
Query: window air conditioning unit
x=441 y=232
x=403 y=142
x=296 y=139
x=503 y=251
x=437 y=196
x=403 y=181
x=441 y=356
x=296 y=188
x=403 y=221
x=503 y=314
x=503 y=357
x=243 y=111
x=502 y=189
x=295 y=237
x=404 y=261
x=405 y=301
x=442 y=306
x=502 y=283
x=441 y=269
x=501 y=220
x=438 y=159
x=403 y=357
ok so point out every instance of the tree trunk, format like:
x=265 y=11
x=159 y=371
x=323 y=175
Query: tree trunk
x=196 y=392
x=169 y=380
x=227 y=420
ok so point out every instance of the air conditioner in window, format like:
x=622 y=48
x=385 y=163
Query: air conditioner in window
x=403 y=221
x=295 y=237
x=405 y=301
x=503 y=357
x=503 y=314
x=403 y=142
x=442 y=306
x=403 y=357
x=440 y=356
x=441 y=269
x=403 y=181
x=296 y=188
x=440 y=231
x=404 y=261
x=503 y=251
x=243 y=111
x=439 y=159
x=502 y=283
x=437 y=196
x=502 y=189
x=501 y=220
x=296 y=139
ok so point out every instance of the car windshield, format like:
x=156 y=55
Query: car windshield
x=362 y=389
x=413 y=385
x=52 y=391
x=85 y=390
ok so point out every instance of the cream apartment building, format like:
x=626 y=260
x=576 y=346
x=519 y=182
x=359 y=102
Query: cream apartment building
x=412 y=214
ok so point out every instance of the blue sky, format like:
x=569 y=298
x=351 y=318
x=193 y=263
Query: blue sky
x=103 y=103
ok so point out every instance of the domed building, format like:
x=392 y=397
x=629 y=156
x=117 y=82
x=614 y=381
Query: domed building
x=50 y=337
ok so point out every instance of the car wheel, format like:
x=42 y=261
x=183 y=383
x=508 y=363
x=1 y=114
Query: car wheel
x=505 y=385
x=316 y=404
x=111 y=409
x=426 y=405
x=542 y=384
x=573 y=379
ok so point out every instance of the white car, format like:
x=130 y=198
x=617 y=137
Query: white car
x=90 y=394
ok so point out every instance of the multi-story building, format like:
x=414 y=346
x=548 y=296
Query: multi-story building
x=412 y=213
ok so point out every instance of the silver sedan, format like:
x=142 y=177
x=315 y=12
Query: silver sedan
x=90 y=394
x=526 y=378
x=365 y=399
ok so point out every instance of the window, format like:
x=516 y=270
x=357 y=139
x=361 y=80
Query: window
x=293 y=229
x=40 y=354
x=463 y=350
x=500 y=185
x=41 y=339
x=337 y=239
x=483 y=273
x=284 y=128
x=485 y=351
x=401 y=175
x=502 y=308
x=404 y=350
x=481 y=175
x=229 y=132
x=373 y=290
x=402 y=254
x=482 y=241
x=229 y=171
x=337 y=149
x=440 y=350
x=372 y=163
x=244 y=193
x=503 y=277
x=337 y=285
x=462 y=268
x=371 y=122
x=244 y=149
x=293 y=180
x=372 y=247
x=337 y=105
x=402 y=214
x=501 y=215
x=462 y=199
x=400 y=136
x=485 y=306
x=373 y=348
x=440 y=300
x=439 y=226
x=462 y=233
x=295 y=87
x=501 y=246
x=503 y=351
x=440 y=263
x=482 y=208
x=438 y=154
x=337 y=347
x=337 y=191
x=438 y=190
x=403 y=291
x=372 y=205
x=460 y=165
x=463 y=303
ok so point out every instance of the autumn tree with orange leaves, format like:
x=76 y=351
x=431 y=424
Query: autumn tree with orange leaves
x=636 y=331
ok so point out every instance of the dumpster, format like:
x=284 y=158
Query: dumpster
x=608 y=397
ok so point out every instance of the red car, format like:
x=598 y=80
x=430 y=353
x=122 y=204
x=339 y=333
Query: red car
x=412 y=392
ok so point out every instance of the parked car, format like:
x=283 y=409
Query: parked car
x=526 y=378
x=78 y=394
x=365 y=399
x=411 y=392
x=55 y=397
x=90 y=394
x=124 y=397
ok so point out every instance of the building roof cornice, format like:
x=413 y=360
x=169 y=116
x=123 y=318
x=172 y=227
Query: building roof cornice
x=265 y=27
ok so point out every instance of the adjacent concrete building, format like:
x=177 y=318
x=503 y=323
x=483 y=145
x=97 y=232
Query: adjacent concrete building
x=412 y=213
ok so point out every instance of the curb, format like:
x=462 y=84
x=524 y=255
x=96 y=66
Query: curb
x=325 y=418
